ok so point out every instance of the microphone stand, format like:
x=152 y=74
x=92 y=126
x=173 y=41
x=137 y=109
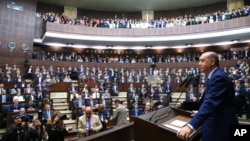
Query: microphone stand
x=163 y=115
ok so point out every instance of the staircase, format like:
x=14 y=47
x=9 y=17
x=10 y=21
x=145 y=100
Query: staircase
x=60 y=104
x=178 y=95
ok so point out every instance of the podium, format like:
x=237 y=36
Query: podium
x=162 y=124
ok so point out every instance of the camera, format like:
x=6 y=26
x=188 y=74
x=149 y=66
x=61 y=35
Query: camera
x=62 y=117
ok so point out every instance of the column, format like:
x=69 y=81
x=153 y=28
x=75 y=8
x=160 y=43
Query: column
x=234 y=4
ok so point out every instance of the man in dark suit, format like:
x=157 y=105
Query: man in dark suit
x=79 y=102
x=218 y=109
x=47 y=113
x=15 y=107
x=4 y=97
x=91 y=102
x=73 y=87
x=136 y=111
x=168 y=90
x=103 y=116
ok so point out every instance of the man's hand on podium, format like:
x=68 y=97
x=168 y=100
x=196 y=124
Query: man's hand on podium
x=184 y=133
x=193 y=113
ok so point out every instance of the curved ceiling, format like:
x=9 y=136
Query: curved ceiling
x=131 y=5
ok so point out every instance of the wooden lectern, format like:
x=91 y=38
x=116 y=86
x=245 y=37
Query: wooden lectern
x=162 y=124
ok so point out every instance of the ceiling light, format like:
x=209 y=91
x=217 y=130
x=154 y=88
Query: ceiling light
x=235 y=40
x=189 y=45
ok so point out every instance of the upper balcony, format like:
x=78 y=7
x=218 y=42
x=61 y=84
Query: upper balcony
x=200 y=35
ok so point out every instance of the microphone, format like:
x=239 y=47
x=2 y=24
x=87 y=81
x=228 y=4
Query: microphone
x=183 y=82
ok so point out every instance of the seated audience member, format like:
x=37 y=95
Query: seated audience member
x=115 y=90
x=22 y=113
x=73 y=95
x=47 y=112
x=148 y=108
x=4 y=97
x=73 y=87
x=86 y=94
x=142 y=92
x=39 y=96
x=39 y=88
x=19 y=97
x=136 y=111
x=103 y=116
x=201 y=91
x=91 y=102
x=81 y=111
x=78 y=103
x=191 y=96
x=88 y=124
x=146 y=100
x=96 y=94
x=106 y=102
x=28 y=89
x=15 y=107
x=14 y=90
x=32 y=96
x=67 y=78
x=30 y=106
x=162 y=102
x=106 y=94
x=86 y=88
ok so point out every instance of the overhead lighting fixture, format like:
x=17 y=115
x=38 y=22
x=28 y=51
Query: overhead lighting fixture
x=189 y=45
x=69 y=44
x=109 y=46
x=235 y=40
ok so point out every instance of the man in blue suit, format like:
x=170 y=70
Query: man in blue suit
x=218 y=107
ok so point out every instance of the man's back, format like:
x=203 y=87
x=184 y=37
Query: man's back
x=120 y=115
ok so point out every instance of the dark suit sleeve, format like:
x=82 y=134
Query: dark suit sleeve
x=216 y=90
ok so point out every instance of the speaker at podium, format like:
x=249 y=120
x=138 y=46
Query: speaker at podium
x=162 y=124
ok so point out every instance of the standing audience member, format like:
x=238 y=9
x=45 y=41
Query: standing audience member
x=37 y=125
x=218 y=107
x=88 y=124
x=55 y=127
x=103 y=116
x=20 y=131
x=120 y=113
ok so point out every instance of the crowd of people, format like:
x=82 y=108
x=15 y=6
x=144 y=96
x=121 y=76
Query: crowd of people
x=135 y=58
x=108 y=79
x=164 y=22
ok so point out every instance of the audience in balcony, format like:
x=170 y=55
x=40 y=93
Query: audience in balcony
x=165 y=22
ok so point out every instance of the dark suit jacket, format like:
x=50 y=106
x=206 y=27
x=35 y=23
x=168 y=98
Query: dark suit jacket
x=94 y=102
x=76 y=103
x=8 y=98
x=12 y=107
x=139 y=112
x=45 y=115
x=103 y=115
x=218 y=108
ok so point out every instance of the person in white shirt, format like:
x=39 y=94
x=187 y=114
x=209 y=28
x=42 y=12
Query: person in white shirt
x=19 y=96
x=73 y=95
